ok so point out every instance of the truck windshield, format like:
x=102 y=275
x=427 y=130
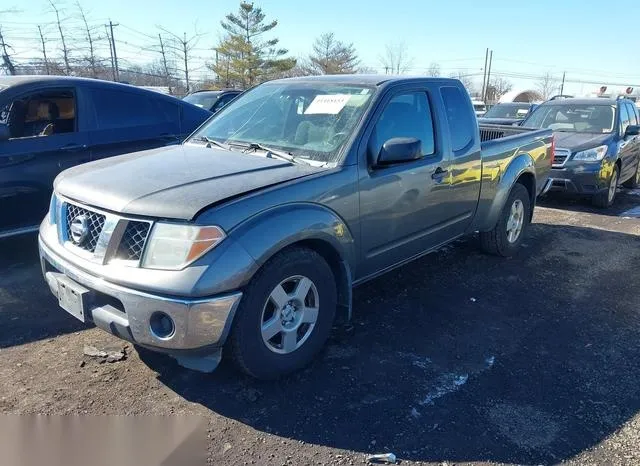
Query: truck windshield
x=574 y=118
x=309 y=120
x=507 y=111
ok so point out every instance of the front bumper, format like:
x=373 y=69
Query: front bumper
x=583 y=179
x=200 y=324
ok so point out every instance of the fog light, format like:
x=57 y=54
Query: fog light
x=162 y=325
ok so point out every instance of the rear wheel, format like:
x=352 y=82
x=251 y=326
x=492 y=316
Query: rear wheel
x=605 y=198
x=506 y=236
x=285 y=315
x=634 y=181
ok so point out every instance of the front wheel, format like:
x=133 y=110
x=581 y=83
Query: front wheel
x=285 y=316
x=605 y=198
x=506 y=236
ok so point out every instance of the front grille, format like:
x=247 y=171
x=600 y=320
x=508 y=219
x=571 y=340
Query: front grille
x=94 y=223
x=560 y=157
x=133 y=240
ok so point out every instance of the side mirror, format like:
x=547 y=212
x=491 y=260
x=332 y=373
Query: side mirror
x=4 y=132
x=398 y=150
x=632 y=130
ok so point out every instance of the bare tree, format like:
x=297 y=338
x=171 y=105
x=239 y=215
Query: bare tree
x=466 y=80
x=44 y=50
x=182 y=48
x=330 y=56
x=547 y=85
x=434 y=70
x=396 y=59
x=6 y=58
x=65 y=51
x=497 y=88
x=91 y=57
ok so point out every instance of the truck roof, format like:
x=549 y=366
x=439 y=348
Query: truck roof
x=587 y=101
x=364 y=79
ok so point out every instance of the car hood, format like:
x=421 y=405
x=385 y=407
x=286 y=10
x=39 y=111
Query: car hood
x=498 y=121
x=173 y=182
x=580 y=141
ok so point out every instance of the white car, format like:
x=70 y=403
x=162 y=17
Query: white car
x=480 y=107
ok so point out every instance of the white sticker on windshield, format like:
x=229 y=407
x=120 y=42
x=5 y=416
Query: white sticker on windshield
x=327 y=104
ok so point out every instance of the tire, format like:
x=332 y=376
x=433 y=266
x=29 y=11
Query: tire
x=499 y=241
x=259 y=315
x=607 y=197
x=634 y=181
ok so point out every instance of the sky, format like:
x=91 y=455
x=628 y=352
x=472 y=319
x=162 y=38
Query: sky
x=590 y=41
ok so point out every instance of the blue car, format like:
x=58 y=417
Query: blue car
x=50 y=123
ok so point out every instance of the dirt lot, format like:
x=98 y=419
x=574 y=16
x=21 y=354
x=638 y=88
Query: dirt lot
x=458 y=357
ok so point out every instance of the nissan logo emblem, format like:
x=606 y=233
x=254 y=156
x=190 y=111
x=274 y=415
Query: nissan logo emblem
x=79 y=229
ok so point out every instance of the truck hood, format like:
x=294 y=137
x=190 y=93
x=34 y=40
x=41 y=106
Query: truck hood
x=173 y=182
x=580 y=141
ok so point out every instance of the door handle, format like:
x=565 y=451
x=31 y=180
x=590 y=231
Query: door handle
x=439 y=173
x=73 y=147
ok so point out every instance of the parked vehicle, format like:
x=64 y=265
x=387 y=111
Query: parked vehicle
x=508 y=113
x=597 y=145
x=253 y=232
x=479 y=107
x=50 y=123
x=212 y=100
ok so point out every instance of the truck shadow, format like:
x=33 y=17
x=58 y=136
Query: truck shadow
x=28 y=311
x=464 y=357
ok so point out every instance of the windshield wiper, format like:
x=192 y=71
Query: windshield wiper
x=255 y=146
x=211 y=142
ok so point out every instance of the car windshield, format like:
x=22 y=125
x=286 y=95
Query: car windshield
x=574 y=118
x=310 y=120
x=508 y=111
x=202 y=99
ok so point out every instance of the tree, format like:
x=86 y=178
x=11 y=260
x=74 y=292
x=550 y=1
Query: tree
x=434 y=70
x=90 y=59
x=65 y=50
x=497 y=88
x=396 y=59
x=330 y=56
x=466 y=80
x=243 y=57
x=182 y=48
x=547 y=85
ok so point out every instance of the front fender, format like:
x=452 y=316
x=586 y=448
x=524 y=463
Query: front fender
x=250 y=244
x=273 y=230
x=489 y=213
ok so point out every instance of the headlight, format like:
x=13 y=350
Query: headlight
x=173 y=246
x=591 y=155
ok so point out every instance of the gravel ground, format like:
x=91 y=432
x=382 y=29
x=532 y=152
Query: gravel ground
x=458 y=357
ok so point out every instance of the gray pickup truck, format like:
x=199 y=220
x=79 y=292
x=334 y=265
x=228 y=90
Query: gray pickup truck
x=251 y=234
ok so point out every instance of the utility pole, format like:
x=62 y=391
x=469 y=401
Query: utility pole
x=164 y=61
x=115 y=55
x=484 y=75
x=562 y=85
x=186 y=63
x=484 y=97
x=113 y=67
x=5 y=56
x=44 y=51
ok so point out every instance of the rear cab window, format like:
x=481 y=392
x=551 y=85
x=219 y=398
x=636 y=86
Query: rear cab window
x=120 y=109
x=459 y=119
